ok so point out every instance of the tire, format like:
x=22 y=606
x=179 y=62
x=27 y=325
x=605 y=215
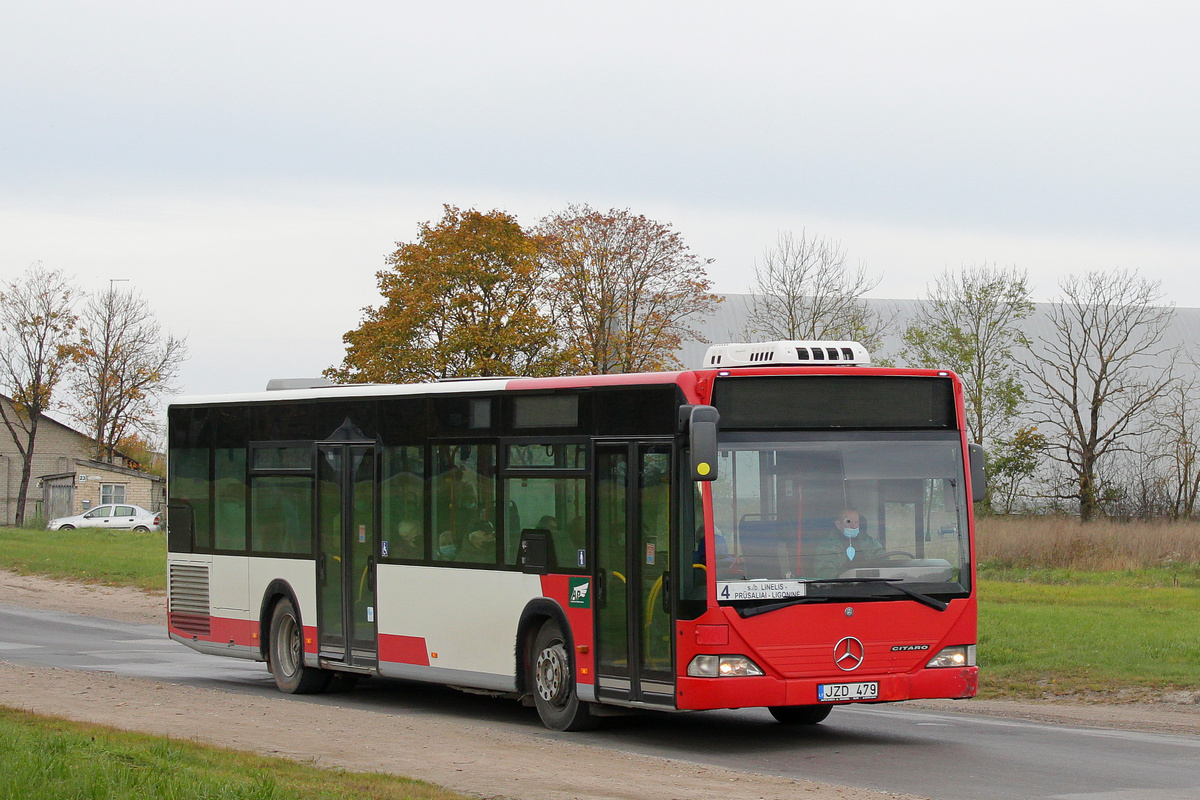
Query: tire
x=66 y=527
x=286 y=654
x=552 y=680
x=800 y=715
x=141 y=529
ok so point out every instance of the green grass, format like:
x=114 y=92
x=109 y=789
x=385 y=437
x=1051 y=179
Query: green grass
x=50 y=759
x=1096 y=634
x=1186 y=576
x=117 y=558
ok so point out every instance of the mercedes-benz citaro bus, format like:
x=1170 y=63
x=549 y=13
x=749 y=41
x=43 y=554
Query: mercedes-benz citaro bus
x=786 y=527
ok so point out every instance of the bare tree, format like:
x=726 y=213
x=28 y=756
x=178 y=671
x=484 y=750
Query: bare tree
x=1098 y=372
x=1135 y=483
x=1173 y=449
x=969 y=322
x=626 y=289
x=36 y=320
x=803 y=289
x=122 y=362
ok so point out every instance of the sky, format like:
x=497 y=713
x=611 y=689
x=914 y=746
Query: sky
x=247 y=166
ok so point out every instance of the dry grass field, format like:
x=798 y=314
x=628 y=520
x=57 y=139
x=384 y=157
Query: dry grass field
x=1063 y=543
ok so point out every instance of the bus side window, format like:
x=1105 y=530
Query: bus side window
x=555 y=505
x=189 y=482
x=464 y=500
x=229 y=499
x=281 y=508
x=402 y=498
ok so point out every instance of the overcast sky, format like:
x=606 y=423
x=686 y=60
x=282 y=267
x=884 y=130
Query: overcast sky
x=247 y=166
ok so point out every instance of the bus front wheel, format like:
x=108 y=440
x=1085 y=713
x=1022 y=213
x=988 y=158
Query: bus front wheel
x=553 y=683
x=800 y=715
x=286 y=652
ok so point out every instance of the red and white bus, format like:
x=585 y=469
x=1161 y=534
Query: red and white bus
x=786 y=527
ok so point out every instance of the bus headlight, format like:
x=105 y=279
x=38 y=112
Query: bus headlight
x=962 y=655
x=722 y=667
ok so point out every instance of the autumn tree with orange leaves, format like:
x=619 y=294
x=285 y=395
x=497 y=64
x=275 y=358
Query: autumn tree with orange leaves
x=627 y=289
x=466 y=299
x=478 y=295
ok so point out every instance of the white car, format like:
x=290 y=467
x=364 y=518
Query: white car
x=120 y=516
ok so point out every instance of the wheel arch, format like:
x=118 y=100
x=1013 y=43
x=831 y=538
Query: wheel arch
x=537 y=613
x=276 y=590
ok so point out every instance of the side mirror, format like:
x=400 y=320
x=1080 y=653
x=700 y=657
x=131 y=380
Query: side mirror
x=978 y=472
x=702 y=430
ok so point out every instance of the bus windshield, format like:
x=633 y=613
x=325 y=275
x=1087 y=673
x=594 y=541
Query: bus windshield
x=835 y=515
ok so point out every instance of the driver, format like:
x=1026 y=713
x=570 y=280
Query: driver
x=846 y=545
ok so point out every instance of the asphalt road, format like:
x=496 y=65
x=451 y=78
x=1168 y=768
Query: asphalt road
x=945 y=756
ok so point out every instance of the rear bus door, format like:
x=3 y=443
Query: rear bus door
x=634 y=642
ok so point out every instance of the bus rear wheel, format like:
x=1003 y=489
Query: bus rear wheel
x=553 y=683
x=800 y=715
x=286 y=654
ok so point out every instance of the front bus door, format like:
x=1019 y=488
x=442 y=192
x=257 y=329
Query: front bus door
x=346 y=554
x=633 y=565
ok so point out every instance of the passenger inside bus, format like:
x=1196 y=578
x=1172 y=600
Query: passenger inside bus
x=479 y=545
x=408 y=540
x=447 y=549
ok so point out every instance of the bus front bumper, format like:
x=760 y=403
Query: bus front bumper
x=710 y=693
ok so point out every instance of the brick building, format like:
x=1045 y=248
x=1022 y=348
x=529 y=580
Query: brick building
x=65 y=477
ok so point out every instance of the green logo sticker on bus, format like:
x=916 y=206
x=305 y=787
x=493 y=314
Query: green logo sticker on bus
x=581 y=593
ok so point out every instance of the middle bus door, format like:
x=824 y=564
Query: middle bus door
x=634 y=642
x=346 y=554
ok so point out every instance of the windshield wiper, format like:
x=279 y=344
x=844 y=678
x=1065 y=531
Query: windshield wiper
x=754 y=611
x=932 y=602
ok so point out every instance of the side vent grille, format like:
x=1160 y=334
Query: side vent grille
x=188 y=598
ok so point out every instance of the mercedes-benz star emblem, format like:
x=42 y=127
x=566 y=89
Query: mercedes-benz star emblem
x=848 y=654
